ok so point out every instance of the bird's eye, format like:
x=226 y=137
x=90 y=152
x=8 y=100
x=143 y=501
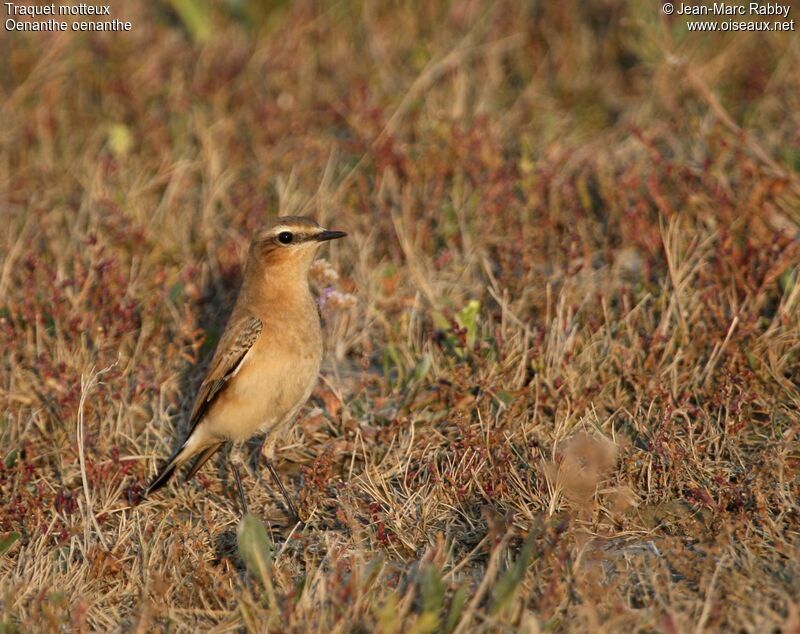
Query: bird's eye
x=285 y=237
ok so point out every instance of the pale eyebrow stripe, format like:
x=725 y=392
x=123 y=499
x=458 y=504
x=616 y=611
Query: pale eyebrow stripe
x=301 y=235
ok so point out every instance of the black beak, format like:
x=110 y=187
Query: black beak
x=330 y=235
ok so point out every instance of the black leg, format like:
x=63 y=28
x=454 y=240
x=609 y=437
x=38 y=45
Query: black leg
x=242 y=498
x=295 y=516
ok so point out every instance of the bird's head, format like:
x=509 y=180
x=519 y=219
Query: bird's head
x=289 y=243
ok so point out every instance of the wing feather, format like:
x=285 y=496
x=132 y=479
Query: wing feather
x=232 y=349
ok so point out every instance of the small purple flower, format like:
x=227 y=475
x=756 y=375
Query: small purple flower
x=326 y=294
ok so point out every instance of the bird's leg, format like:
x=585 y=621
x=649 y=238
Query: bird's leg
x=235 y=461
x=266 y=450
x=294 y=515
x=242 y=498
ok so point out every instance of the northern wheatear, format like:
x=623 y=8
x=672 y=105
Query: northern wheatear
x=268 y=359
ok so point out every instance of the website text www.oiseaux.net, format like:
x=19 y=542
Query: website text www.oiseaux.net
x=738 y=25
x=736 y=17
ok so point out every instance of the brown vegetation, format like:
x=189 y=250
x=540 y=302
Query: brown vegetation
x=566 y=396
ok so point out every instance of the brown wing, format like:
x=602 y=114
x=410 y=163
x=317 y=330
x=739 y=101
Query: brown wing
x=234 y=345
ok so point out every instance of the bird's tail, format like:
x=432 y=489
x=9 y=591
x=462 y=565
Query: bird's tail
x=184 y=453
x=177 y=459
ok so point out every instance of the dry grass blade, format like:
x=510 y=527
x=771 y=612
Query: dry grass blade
x=88 y=382
x=561 y=386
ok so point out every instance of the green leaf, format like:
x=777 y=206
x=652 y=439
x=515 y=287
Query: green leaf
x=210 y=341
x=467 y=318
x=440 y=321
x=431 y=588
x=456 y=609
x=393 y=360
x=7 y=627
x=423 y=367
x=265 y=15
x=387 y=614
x=120 y=139
x=505 y=398
x=196 y=17
x=11 y=458
x=505 y=587
x=7 y=542
x=255 y=547
x=176 y=292
x=426 y=623
x=788 y=280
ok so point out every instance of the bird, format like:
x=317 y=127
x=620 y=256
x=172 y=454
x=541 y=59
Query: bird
x=268 y=358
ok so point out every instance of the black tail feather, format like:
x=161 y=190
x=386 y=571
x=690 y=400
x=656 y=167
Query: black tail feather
x=160 y=480
x=165 y=474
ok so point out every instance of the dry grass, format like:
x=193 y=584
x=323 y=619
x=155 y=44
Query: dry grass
x=567 y=397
